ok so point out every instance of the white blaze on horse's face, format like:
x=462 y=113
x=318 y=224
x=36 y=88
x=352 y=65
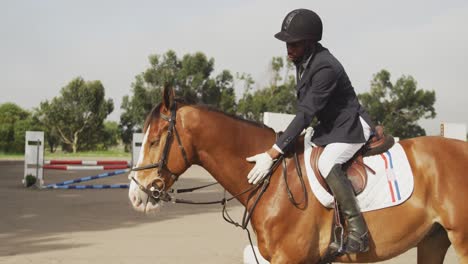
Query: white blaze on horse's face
x=138 y=198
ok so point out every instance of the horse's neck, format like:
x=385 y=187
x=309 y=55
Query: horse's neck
x=223 y=144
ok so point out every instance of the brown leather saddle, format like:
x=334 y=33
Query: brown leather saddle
x=355 y=167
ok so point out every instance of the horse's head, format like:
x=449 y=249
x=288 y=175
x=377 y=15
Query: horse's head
x=166 y=152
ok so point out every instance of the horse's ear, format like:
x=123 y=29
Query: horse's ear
x=168 y=97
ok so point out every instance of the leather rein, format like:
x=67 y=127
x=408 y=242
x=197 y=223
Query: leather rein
x=160 y=194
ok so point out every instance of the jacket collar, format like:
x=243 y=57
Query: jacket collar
x=301 y=68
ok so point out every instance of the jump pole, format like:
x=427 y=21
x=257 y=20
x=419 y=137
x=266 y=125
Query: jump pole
x=77 y=168
x=86 y=162
x=89 y=178
x=98 y=186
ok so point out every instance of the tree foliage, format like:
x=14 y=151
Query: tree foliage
x=102 y=137
x=14 y=122
x=398 y=106
x=279 y=96
x=42 y=119
x=191 y=77
x=79 y=112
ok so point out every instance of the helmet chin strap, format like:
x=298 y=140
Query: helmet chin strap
x=309 y=49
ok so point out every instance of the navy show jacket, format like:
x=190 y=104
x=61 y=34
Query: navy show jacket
x=326 y=92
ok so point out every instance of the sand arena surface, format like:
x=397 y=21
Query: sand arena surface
x=99 y=226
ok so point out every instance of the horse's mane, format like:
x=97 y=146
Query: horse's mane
x=155 y=113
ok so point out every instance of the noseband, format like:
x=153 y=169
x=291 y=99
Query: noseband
x=159 y=193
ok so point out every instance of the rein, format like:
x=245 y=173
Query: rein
x=160 y=194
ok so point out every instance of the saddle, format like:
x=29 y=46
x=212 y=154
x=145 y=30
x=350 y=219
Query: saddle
x=355 y=168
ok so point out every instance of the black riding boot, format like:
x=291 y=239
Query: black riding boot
x=357 y=234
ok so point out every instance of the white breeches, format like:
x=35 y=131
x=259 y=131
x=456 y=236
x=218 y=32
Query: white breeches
x=340 y=153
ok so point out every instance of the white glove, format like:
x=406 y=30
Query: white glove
x=308 y=132
x=263 y=163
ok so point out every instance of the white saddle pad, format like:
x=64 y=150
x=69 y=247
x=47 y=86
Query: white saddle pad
x=392 y=184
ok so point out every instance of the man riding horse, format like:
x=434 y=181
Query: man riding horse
x=324 y=91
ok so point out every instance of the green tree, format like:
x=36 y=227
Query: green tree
x=80 y=110
x=14 y=122
x=111 y=134
x=279 y=96
x=191 y=76
x=398 y=106
x=42 y=120
x=106 y=135
x=21 y=126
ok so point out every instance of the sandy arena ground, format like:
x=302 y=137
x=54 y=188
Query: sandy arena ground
x=99 y=226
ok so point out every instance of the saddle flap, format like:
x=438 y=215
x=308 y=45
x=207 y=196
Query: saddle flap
x=314 y=158
x=355 y=171
x=357 y=174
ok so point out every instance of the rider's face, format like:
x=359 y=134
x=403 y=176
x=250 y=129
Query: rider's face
x=296 y=50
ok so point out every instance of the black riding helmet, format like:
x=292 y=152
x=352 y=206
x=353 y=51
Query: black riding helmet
x=300 y=24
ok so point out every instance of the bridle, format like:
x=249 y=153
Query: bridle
x=159 y=193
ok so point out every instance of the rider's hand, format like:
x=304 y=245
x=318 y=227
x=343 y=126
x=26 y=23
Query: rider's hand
x=263 y=163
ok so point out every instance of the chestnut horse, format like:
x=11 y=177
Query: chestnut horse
x=432 y=219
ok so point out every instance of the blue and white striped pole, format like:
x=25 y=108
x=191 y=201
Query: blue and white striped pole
x=89 y=178
x=98 y=186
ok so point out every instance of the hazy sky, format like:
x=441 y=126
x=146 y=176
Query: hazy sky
x=45 y=44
